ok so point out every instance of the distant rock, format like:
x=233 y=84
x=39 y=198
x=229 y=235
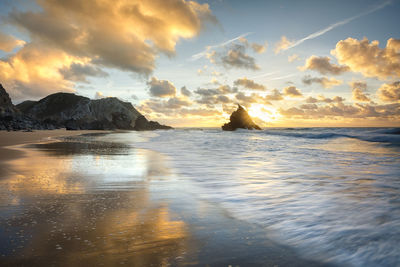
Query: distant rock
x=73 y=112
x=240 y=119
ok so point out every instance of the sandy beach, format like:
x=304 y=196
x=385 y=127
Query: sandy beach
x=82 y=202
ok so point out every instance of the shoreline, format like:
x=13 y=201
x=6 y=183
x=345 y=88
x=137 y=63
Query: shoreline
x=149 y=223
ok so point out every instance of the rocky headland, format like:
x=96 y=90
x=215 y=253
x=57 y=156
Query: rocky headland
x=73 y=112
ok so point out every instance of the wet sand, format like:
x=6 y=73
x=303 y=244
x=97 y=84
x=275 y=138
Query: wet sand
x=80 y=202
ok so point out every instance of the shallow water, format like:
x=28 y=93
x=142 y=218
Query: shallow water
x=331 y=193
x=108 y=200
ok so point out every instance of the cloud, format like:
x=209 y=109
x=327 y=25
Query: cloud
x=275 y=96
x=341 y=110
x=120 y=34
x=185 y=91
x=358 y=91
x=98 y=95
x=282 y=45
x=259 y=48
x=162 y=106
x=8 y=42
x=323 y=99
x=234 y=57
x=210 y=47
x=220 y=90
x=324 y=81
x=213 y=96
x=249 y=84
x=175 y=107
x=161 y=88
x=247 y=100
x=201 y=112
x=32 y=72
x=368 y=59
x=293 y=57
x=78 y=72
x=292 y=91
x=323 y=66
x=389 y=92
x=335 y=25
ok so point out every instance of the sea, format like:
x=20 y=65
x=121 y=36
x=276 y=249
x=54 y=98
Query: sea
x=333 y=194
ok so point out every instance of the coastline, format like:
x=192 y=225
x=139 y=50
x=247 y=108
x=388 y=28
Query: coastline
x=147 y=221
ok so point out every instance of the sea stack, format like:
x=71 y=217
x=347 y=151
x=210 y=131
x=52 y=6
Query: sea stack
x=240 y=119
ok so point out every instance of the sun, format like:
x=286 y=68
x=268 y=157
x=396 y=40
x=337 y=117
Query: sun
x=262 y=112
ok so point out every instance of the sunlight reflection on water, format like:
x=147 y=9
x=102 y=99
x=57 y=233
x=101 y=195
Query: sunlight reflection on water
x=74 y=203
x=325 y=191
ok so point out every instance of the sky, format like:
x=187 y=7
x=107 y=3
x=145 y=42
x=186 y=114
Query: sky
x=189 y=63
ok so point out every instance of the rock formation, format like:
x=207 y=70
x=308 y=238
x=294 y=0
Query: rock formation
x=73 y=112
x=240 y=119
x=12 y=119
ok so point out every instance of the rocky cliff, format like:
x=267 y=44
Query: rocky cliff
x=12 y=119
x=73 y=112
x=240 y=119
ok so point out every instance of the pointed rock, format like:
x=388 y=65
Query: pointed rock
x=240 y=119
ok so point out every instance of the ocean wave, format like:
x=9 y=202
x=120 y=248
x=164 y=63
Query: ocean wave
x=385 y=135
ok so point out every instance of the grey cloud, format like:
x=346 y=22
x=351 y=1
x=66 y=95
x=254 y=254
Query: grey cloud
x=234 y=57
x=161 y=88
x=275 y=96
x=292 y=91
x=249 y=84
x=78 y=72
x=185 y=91
x=323 y=99
x=323 y=66
x=324 y=81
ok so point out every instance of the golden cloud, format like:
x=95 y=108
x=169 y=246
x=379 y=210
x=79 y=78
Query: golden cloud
x=358 y=91
x=283 y=44
x=34 y=71
x=292 y=91
x=249 y=84
x=390 y=92
x=259 y=48
x=8 y=42
x=247 y=100
x=323 y=66
x=341 y=110
x=293 y=57
x=122 y=34
x=368 y=59
x=70 y=40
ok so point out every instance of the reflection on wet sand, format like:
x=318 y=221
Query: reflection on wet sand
x=63 y=208
x=82 y=202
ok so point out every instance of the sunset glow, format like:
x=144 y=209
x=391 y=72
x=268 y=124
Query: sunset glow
x=188 y=63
